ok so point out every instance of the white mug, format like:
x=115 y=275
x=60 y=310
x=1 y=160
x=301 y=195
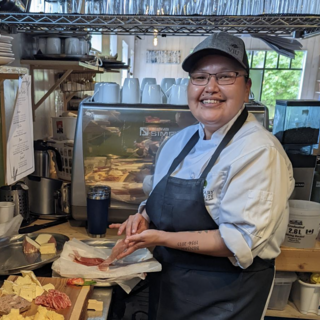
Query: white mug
x=166 y=84
x=72 y=46
x=42 y=43
x=53 y=45
x=152 y=94
x=149 y=81
x=6 y=211
x=178 y=95
x=108 y=92
x=83 y=45
x=130 y=91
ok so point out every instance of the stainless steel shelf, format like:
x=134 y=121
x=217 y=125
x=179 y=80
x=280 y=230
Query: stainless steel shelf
x=280 y=25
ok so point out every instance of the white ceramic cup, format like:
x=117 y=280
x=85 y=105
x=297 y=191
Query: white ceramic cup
x=83 y=46
x=109 y=92
x=178 y=95
x=184 y=81
x=152 y=94
x=53 y=45
x=72 y=46
x=130 y=92
x=6 y=211
x=149 y=81
x=42 y=43
x=166 y=84
x=178 y=80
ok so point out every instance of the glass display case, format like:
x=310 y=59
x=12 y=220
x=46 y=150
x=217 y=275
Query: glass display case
x=117 y=145
x=297 y=122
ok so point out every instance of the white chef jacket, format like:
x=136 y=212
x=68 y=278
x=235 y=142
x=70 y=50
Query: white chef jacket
x=247 y=190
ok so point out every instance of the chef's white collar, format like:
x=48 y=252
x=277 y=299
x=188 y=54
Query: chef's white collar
x=220 y=133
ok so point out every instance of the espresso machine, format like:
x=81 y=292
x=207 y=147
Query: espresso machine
x=296 y=125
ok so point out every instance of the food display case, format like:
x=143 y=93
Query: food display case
x=117 y=145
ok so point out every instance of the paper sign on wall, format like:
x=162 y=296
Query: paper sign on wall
x=20 y=154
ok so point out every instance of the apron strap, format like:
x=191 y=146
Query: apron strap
x=226 y=139
x=185 y=151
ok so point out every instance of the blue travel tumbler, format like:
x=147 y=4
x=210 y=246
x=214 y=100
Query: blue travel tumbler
x=97 y=213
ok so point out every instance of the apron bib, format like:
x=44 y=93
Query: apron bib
x=194 y=286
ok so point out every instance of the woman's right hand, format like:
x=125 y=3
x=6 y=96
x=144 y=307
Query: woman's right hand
x=135 y=224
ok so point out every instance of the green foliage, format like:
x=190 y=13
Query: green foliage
x=278 y=84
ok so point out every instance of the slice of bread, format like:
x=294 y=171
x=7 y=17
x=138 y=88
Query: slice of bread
x=13 y=301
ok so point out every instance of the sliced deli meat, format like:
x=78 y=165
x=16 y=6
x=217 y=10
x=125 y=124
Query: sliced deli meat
x=13 y=301
x=89 y=262
x=54 y=299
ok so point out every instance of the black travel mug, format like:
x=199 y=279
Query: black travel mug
x=97 y=213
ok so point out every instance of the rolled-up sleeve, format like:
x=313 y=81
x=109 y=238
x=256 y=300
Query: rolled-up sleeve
x=254 y=202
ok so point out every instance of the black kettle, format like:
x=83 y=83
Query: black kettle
x=42 y=159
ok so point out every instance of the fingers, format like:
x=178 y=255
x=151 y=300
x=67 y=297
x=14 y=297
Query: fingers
x=136 y=222
x=122 y=227
x=115 y=225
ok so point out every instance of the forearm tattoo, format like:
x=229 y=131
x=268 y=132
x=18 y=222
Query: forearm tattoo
x=188 y=246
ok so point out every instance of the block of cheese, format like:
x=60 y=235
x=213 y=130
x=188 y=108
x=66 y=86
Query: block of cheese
x=26 y=293
x=48 y=286
x=95 y=305
x=45 y=238
x=48 y=248
x=30 y=246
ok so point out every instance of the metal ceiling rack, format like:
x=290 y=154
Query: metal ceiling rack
x=301 y=26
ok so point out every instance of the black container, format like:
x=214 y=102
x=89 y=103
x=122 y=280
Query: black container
x=102 y=189
x=97 y=213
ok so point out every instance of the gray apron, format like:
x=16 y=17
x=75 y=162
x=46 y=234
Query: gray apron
x=193 y=286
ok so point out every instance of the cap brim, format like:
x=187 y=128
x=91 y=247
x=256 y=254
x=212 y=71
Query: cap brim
x=191 y=60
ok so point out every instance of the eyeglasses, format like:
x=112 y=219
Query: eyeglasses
x=222 y=78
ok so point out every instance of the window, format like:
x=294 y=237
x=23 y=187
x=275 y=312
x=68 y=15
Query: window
x=275 y=76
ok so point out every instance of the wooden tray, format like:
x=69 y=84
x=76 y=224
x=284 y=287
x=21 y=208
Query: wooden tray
x=78 y=295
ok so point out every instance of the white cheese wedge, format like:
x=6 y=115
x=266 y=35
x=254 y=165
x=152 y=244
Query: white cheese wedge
x=95 y=305
x=48 y=286
x=48 y=248
x=43 y=238
x=30 y=246
x=23 y=280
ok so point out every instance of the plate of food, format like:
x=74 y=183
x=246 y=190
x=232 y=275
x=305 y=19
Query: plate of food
x=29 y=251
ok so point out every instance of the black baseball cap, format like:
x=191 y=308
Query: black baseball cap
x=218 y=43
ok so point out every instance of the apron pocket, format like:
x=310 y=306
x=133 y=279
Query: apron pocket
x=213 y=290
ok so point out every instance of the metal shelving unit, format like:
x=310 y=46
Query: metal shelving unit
x=280 y=25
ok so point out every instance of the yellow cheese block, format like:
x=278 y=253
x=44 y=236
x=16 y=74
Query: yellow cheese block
x=48 y=248
x=95 y=305
x=31 y=275
x=26 y=293
x=39 y=291
x=23 y=280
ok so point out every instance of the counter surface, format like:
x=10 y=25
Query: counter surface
x=290 y=259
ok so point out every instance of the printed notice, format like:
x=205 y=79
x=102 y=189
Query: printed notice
x=20 y=156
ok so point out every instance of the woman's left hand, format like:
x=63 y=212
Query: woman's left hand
x=145 y=239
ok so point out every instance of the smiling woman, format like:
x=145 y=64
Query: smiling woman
x=218 y=209
x=217 y=91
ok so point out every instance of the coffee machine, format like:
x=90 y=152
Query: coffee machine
x=296 y=125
